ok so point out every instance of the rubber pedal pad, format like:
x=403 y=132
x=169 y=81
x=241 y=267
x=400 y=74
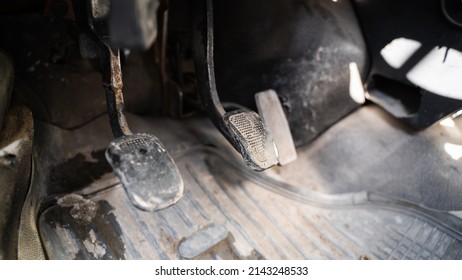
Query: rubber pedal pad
x=147 y=172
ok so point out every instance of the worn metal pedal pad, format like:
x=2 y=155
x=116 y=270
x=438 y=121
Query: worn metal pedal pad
x=146 y=170
x=252 y=139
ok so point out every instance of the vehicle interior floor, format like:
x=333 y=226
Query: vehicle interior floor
x=368 y=188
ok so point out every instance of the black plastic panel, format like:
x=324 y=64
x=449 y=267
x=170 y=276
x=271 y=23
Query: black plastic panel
x=301 y=49
x=418 y=20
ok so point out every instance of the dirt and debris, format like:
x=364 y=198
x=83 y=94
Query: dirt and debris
x=91 y=167
x=83 y=210
x=99 y=239
x=93 y=246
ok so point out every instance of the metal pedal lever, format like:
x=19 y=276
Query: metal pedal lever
x=244 y=129
x=147 y=172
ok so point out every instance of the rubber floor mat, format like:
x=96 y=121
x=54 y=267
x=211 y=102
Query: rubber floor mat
x=244 y=215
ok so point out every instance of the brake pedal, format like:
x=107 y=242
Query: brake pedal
x=147 y=172
x=244 y=129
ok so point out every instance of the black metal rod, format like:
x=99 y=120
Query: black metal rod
x=205 y=68
x=112 y=83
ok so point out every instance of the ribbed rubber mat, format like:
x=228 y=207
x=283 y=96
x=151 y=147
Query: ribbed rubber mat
x=265 y=218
